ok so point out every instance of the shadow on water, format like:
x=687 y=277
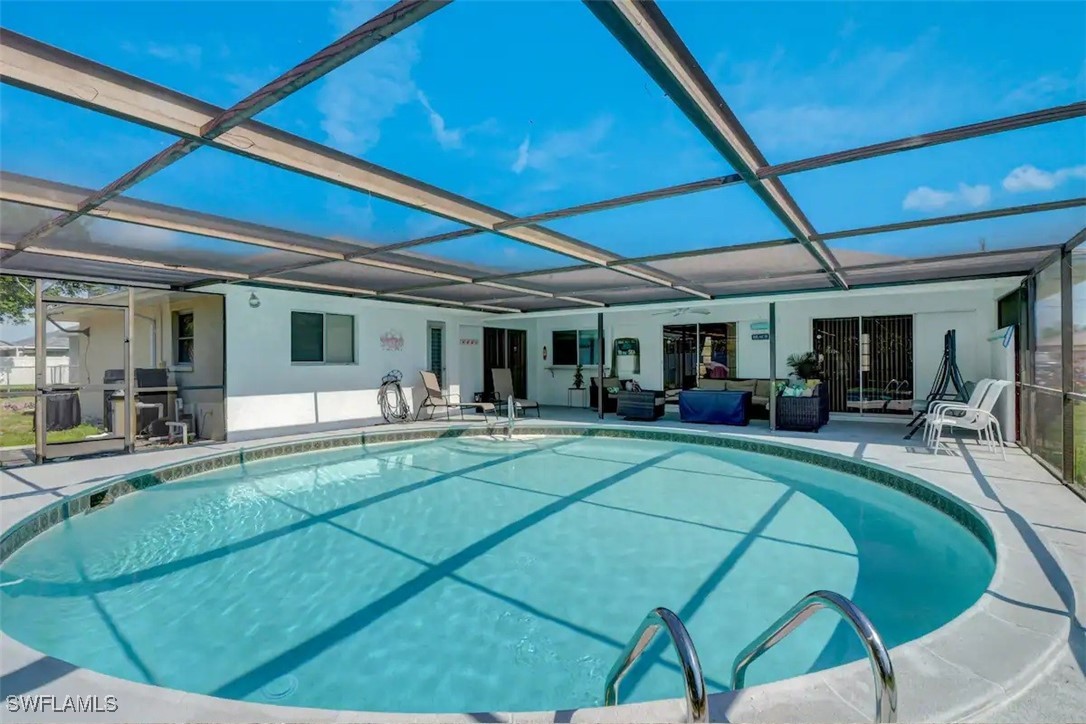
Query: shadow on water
x=302 y=652
x=862 y=523
x=89 y=587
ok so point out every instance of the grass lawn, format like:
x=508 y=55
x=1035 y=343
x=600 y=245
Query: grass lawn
x=17 y=424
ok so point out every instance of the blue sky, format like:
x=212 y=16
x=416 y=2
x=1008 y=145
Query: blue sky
x=529 y=106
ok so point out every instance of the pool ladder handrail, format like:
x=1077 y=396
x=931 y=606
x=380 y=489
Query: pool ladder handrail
x=881 y=668
x=512 y=417
x=697 y=700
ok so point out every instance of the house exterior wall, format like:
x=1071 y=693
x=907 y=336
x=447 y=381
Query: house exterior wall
x=968 y=307
x=267 y=394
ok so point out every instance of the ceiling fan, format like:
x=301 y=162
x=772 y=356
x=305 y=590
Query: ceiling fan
x=681 y=311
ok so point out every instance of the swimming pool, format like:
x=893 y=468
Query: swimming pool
x=473 y=574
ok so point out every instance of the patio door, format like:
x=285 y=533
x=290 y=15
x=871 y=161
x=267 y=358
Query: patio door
x=505 y=348
x=680 y=356
x=435 y=350
x=868 y=362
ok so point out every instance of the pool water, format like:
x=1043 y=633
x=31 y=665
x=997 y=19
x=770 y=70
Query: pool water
x=470 y=574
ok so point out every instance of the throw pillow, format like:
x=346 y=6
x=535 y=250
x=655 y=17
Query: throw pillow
x=635 y=386
x=612 y=390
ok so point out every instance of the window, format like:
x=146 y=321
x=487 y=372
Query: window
x=572 y=347
x=321 y=338
x=184 y=332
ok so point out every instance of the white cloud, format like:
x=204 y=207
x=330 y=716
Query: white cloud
x=522 y=154
x=244 y=82
x=857 y=94
x=183 y=54
x=1030 y=178
x=974 y=196
x=548 y=153
x=356 y=99
x=446 y=137
x=925 y=198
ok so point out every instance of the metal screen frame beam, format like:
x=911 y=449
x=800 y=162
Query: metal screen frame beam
x=955 y=218
x=42 y=68
x=646 y=35
x=400 y=16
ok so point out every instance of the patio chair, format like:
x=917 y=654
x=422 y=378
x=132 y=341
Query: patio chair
x=954 y=409
x=979 y=419
x=435 y=399
x=503 y=390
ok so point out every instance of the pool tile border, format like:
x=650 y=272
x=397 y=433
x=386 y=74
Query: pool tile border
x=99 y=496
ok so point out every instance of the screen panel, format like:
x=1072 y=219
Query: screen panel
x=465 y=293
x=792 y=283
x=349 y=274
x=43 y=265
x=838 y=76
x=641 y=294
x=737 y=265
x=487 y=254
x=576 y=280
x=719 y=217
x=1028 y=166
x=51 y=139
x=973 y=266
x=214 y=181
x=217 y=58
x=1010 y=232
x=100 y=236
x=542 y=109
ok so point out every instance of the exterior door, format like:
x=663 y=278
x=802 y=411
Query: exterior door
x=837 y=344
x=868 y=363
x=435 y=350
x=680 y=356
x=505 y=348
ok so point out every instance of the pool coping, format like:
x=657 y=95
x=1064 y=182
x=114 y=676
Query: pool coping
x=968 y=683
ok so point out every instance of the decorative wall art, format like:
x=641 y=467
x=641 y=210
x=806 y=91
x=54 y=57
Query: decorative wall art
x=392 y=341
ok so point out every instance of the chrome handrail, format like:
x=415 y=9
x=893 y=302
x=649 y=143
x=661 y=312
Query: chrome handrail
x=512 y=417
x=697 y=701
x=881 y=668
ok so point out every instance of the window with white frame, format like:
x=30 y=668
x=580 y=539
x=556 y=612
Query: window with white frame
x=184 y=336
x=573 y=347
x=318 y=338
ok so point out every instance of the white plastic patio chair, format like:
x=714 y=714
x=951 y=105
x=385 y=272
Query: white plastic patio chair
x=979 y=419
x=954 y=409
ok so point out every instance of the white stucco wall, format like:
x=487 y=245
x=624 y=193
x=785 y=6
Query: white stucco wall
x=968 y=307
x=268 y=395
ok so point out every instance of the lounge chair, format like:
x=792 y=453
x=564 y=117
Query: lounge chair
x=436 y=399
x=979 y=419
x=503 y=390
x=954 y=409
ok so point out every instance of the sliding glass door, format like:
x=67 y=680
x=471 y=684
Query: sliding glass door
x=868 y=363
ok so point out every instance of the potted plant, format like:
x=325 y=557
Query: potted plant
x=806 y=365
x=578 y=377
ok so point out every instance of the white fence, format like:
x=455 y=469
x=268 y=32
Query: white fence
x=19 y=371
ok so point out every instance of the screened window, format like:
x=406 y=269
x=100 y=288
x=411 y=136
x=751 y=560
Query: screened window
x=184 y=325
x=572 y=347
x=321 y=338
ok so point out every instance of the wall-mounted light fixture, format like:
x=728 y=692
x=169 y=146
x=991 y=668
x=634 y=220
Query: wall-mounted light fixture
x=254 y=300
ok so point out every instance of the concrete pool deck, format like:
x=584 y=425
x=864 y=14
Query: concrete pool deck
x=1018 y=654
